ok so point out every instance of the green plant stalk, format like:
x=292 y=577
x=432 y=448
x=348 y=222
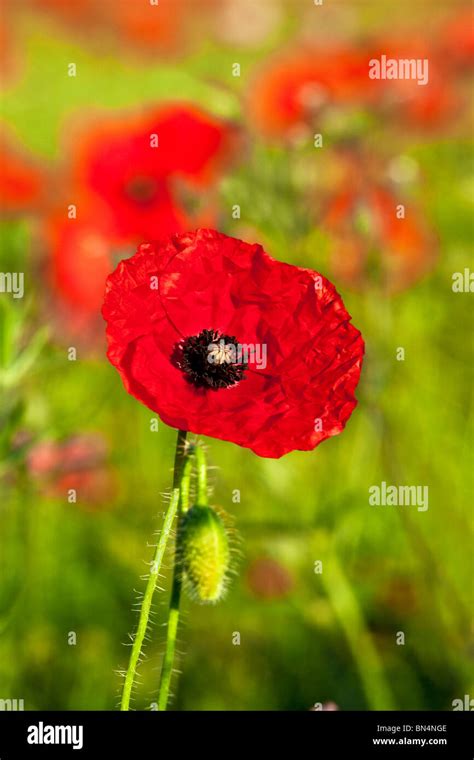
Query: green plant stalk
x=359 y=638
x=175 y=600
x=201 y=467
x=155 y=571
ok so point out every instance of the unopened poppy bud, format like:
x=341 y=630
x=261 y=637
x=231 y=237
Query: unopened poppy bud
x=205 y=553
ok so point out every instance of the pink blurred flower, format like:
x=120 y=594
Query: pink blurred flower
x=78 y=463
x=269 y=579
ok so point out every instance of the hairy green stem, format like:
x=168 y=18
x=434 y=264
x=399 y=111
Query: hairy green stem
x=154 y=572
x=186 y=481
x=201 y=468
x=173 y=617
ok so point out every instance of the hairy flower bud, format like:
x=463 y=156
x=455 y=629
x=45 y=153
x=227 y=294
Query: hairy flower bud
x=205 y=553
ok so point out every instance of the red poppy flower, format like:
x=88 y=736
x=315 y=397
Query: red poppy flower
x=125 y=190
x=133 y=166
x=138 y=24
x=22 y=182
x=269 y=579
x=457 y=40
x=82 y=254
x=220 y=339
x=80 y=463
x=149 y=27
x=371 y=242
x=427 y=105
x=5 y=47
x=48 y=457
x=71 y=11
x=294 y=87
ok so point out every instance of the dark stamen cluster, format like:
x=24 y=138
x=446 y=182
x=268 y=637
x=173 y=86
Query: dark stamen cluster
x=193 y=359
x=141 y=189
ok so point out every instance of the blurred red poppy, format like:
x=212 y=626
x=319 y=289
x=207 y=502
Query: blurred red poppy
x=5 y=48
x=132 y=165
x=81 y=255
x=456 y=44
x=371 y=243
x=125 y=190
x=425 y=104
x=77 y=463
x=71 y=11
x=150 y=27
x=293 y=88
x=22 y=178
x=141 y=26
x=269 y=579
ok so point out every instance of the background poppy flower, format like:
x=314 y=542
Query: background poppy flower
x=81 y=255
x=71 y=11
x=158 y=340
x=269 y=579
x=149 y=27
x=294 y=87
x=456 y=44
x=371 y=242
x=5 y=48
x=22 y=179
x=139 y=25
x=125 y=190
x=130 y=165
x=79 y=462
x=426 y=106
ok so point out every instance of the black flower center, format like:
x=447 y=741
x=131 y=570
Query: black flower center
x=141 y=189
x=211 y=360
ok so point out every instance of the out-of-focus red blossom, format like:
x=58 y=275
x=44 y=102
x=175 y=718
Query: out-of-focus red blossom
x=22 y=179
x=165 y=304
x=70 y=11
x=81 y=256
x=138 y=25
x=5 y=49
x=126 y=191
x=117 y=162
x=51 y=457
x=426 y=106
x=291 y=90
x=326 y=707
x=149 y=27
x=77 y=463
x=269 y=579
x=363 y=224
x=456 y=45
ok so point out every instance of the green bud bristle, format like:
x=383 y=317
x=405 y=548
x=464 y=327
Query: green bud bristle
x=205 y=553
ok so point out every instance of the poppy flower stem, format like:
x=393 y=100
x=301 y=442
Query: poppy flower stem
x=201 y=467
x=178 y=492
x=196 y=453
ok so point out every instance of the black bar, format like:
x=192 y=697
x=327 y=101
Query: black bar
x=315 y=733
